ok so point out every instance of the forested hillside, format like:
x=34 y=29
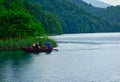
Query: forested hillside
x=49 y=21
x=76 y=19
x=16 y=22
x=20 y=19
x=38 y=17
x=110 y=14
x=87 y=7
x=21 y=22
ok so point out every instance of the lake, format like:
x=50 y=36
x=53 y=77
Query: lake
x=81 y=58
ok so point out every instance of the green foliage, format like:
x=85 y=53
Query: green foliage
x=75 y=19
x=49 y=21
x=21 y=18
x=19 y=23
x=15 y=21
x=109 y=14
x=52 y=25
x=26 y=42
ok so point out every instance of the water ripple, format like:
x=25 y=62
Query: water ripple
x=92 y=42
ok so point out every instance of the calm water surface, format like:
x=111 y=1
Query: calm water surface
x=81 y=58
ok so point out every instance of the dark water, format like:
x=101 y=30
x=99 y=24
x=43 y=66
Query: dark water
x=81 y=58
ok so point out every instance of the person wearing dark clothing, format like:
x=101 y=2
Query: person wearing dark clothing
x=36 y=45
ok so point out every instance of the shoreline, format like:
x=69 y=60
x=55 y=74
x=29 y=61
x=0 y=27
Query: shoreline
x=16 y=44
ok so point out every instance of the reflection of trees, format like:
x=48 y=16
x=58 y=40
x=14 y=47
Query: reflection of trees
x=13 y=56
x=11 y=64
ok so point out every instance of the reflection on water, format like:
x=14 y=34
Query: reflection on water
x=81 y=58
x=12 y=65
x=13 y=56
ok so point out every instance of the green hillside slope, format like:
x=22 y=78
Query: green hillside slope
x=75 y=19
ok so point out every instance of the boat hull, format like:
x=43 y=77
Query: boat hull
x=32 y=50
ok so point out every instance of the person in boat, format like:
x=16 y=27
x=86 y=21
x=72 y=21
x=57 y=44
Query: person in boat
x=47 y=45
x=36 y=45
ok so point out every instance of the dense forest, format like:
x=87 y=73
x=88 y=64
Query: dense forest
x=15 y=21
x=76 y=19
x=110 y=14
x=20 y=25
x=20 y=18
x=48 y=20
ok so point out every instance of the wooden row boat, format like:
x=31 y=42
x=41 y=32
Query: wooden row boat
x=32 y=50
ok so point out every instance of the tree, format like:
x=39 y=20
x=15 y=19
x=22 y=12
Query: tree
x=49 y=21
x=15 y=21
